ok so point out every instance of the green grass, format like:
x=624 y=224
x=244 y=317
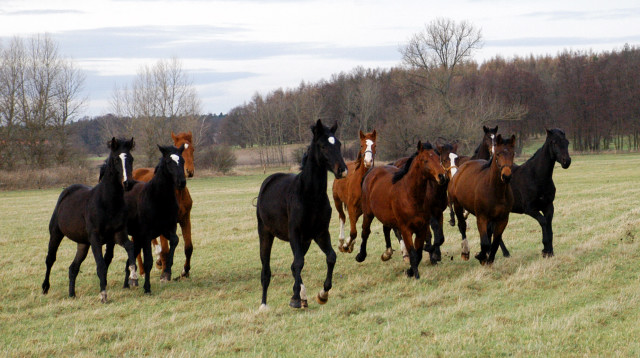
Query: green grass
x=583 y=302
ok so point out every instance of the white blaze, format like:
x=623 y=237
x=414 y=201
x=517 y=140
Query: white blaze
x=332 y=140
x=186 y=146
x=175 y=158
x=493 y=144
x=452 y=158
x=368 y=153
x=123 y=159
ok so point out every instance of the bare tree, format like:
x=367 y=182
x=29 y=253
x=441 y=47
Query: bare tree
x=436 y=53
x=161 y=98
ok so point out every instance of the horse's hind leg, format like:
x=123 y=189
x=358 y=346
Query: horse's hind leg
x=122 y=239
x=386 y=255
x=485 y=239
x=436 y=222
x=299 y=246
x=266 y=242
x=462 y=227
x=547 y=240
x=74 y=268
x=168 y=257
x=354 y=214
x=101 y=268
x=55 y=237
x=497 y=228
x=324 y=241
x=185 y=226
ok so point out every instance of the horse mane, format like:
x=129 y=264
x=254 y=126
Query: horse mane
x=305 y=156
x=358 y=161
x=404 y=170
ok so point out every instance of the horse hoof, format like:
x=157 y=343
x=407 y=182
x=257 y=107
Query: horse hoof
x=263 y=308
x=360 y=257
x=409 y=272
x=166 y=277
x=547 y=254
x=341 y=248
x=304 y=303
x=184 y=274
x=406 y=258
x=465 y=256
x=386 y=255
x=133 y=282
x=103 y=296
x=433 y=261
x=452 y=222
x=506 y=254
x=322 y=297
x=295 y=303
x=45 y=288
x=351 y=245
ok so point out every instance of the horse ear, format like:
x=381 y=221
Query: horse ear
x=420 y=147
x=495 y=130
x=485 y=129
x=317 y=129
x=130 y=144
x=455 y=147
x=163 y=150
x=499 y=139
x=513 y=140
x=173 y=136
x=112 y=144
x=334 y=127
x=361 y=135
x=374 y=134
x=190 y=136
x=548 y=131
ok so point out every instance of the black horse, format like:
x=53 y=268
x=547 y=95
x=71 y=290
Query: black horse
x=533 y=188
x=296 y=208
x=152 y=210
x=487 y=146
x=93 y=217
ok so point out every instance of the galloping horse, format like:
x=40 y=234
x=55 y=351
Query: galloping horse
x=93 y=217
x=437 y=198
x=296 y=208
x=482 y=188
x=533 y=188
x=184 y=205
x=347 y=191
x=152 y=210
x=396 y=197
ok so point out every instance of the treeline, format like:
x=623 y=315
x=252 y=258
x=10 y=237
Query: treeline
x=594 y=97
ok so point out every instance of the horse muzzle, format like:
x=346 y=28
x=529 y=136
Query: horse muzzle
x=442 y=179
x=189 y=173
x=340 y=171
x=505 y=175
x=565 y=163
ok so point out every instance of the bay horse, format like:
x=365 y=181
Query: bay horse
x=533 y=188
x=396 y=197
x=436 y=197
x=184 y=205
x=296 y=208
x=482 y=188
x=152 y=210
x=347 y=191
x=93 y=217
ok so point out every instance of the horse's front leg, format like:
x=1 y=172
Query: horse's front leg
x=324 y=242
x=388 y=252
x=299 y=246
x=185 y=226
x=101 y=267
x=122 y=239
x=354 y=214
x=462 y=227
x=436 y=222
x=173 y=243
x=485 y=240
x=366 y=231
x=498 y=228
x=407 y=238
x=547 y=240
x=148 y=262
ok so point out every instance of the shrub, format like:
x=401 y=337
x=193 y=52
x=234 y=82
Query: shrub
x=218 y=157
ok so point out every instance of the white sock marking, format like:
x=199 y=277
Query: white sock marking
x=303 y=292
x=341 y=229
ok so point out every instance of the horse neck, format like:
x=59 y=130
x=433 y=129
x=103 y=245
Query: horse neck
x=482 y=152
x=110 y=186
x=162 y=185
x=495 y=181
x=313 y=177
x=416 y=181
x=542 y=161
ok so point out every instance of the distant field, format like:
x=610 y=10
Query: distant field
x=583 y=302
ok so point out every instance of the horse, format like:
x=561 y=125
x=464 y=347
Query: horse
x=347 y=191
x=484 y=150
x=396 y=197
x=482 y=188
x=184 y=205
x=533 y=188
x=436 y=197
x=296 y=208
x=152 y=210
x=93 y=217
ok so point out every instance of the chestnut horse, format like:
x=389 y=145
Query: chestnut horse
x=396 y=197
x=184 y=205
x=347 y=191
x=296 y=208
x=482 y=188
x=93 y=217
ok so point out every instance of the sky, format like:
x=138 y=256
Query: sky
x=234 y=49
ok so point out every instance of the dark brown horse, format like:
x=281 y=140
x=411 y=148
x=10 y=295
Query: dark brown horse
x=482 y=188
x=347 y=191
x=396 y=197
x=184 y=205
x=93 y=217
x=296 y=208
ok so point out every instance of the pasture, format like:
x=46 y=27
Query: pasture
x=585 y=301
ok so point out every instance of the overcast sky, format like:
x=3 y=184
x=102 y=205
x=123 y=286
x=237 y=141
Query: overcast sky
x=233 y=49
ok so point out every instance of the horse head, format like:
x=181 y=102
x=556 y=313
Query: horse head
x=559 y=146
x=429 y=159
x=368 y=148
x=489 y=139
x=173 y=163
x=448 y=156
x=503 y=157
x=186 y=139
x=122 y=160
x=326 y=149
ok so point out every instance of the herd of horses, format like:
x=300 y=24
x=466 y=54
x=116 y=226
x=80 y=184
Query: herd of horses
x=408 y=196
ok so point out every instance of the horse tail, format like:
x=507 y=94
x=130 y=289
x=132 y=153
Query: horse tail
x=254 y=202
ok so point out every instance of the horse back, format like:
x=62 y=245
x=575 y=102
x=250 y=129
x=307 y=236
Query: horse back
x=272 y=207
x=143 y=174
x=69 y=215
x=349 y=189
x=471 y=188
x=378 y=194
x=530 y=192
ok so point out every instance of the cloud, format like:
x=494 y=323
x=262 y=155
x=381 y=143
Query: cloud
x=42 y=12
x=560 y=41
x=611 y=14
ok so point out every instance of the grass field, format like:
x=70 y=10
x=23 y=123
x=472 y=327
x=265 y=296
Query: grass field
x=585 y=301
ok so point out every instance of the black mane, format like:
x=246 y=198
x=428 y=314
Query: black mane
x=405 y=169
